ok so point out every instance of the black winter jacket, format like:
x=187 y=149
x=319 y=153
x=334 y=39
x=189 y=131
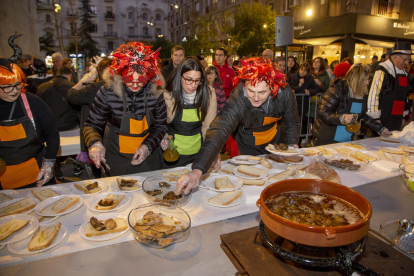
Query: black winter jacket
x=234 y=117
x=167 y=70
x=84 y=97
x=334 y=102
x=309 y=83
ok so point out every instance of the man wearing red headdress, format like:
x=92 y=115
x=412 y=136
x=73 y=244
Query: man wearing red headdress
x=128 y=118
x=261 y=110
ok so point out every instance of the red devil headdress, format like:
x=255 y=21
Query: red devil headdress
x=136 y=57
x=257 y=70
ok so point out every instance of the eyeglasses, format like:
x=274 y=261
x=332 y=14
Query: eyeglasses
x=405 y=59
x=10 y=88
x=191 y=81
x=130 y=84
x=219 y=55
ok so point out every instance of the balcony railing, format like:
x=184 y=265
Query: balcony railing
x=138 y=37
x=110 y=34
x=109 y=15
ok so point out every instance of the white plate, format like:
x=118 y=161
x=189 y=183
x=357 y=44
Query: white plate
x=45 y=219
x=76 y=191
x=24 y=232
x=94 y=201
x=297 y=152
x=367 y=152
x=242 y=160
x=10 y=193
x=331 y=152
x=115 y=188
x=236 y=172
x=21 y=247
x=311 y=156
x=209 y=194
x=209 y=183
x=52 y=200
x=177 y=169
x=57 y=189
x=409 y=149
x=106 y=237
x=18 y=199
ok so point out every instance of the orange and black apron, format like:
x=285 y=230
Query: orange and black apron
x=121 y=143
x=392 y=103
x=20 y=149
x=252 y=140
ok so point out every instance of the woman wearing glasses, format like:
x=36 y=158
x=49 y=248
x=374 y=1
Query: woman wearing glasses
x=345 y=103
x=191 y=106
x=128 y=118
x=29 y=137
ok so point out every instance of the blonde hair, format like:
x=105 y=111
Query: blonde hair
x=356 y=77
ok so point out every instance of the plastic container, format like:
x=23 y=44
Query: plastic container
x=407 y=176
x=181 y=220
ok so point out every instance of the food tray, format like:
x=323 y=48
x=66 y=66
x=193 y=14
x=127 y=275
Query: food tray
x=402 y=239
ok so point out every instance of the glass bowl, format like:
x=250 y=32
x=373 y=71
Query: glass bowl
x=151 y=233
x=153 y=183
x=407 y=176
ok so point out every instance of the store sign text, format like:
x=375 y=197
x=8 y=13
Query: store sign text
x=304 y=32
x=401 y=26
x=408 y=33
x=299 y=27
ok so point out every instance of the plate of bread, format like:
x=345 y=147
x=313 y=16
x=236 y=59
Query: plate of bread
x=42 y=193
x=108 y=202
x=344 y=150
x=127 y=184
x=407 y=148
x=292 y=159
x=59 y=205
x=224 y=199
x=327 y=152
x=46 y=237
x=175 y=174
x=220 y=183
x=282 y=149
x=7 y=195
x=363 y=156
x=355 y=145
x=392 y=150
x=227 y=169
x=245 y=160
x=17 y=206
x=42 y=218
x=251 y=172
x=15 y=228
x=103 y=227
x=310 y=152
x=389 y=140
x=87 y=188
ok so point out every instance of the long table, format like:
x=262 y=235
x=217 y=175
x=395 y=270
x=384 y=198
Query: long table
x=200 y=253
x=69 y=142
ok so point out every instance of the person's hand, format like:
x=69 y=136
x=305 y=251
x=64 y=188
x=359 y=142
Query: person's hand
x=301 y=81
x=216 y=164
x=188 y=181
x=307 y=92
x=97 y=154
x=318 y=82
x=46 y=172
x=90 y=77
x=293 y=91
x=140 y=155
x=348 y=118
x=165 y=143
x=385 y=132
x=294 y=146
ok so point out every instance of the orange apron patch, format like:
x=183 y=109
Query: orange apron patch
x=12 y=133
x=20 y=175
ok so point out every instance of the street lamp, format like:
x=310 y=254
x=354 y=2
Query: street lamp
x=176 y=6
x=57 y=8
x=309 y=12
x=264 y=26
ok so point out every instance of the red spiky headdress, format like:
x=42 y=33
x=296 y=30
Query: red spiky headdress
x=257 y=70
x=136 y=57
x=341 y=69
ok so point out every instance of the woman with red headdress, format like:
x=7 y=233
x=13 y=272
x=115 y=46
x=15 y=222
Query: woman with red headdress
x=26 y=125
x=260 y=110
x=128 y=118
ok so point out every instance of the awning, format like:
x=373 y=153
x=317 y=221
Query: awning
x=321 y=41
x=376 y=43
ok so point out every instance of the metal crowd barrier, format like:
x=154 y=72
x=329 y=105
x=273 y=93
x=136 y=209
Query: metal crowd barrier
x=306 y=113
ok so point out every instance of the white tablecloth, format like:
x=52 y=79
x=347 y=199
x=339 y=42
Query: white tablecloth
x=200 y=212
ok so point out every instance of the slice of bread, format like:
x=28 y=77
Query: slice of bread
x=311 y=176
x=223 y=184
x=44 y=237
x=17 y=207
x=309 y=152
x=121 y=225
x=126 y=188
x=60 y=206
x=390 y=139
x=13 y=225
x=276 y=158
x=393 y=151
x=34 y=214
x=257 y=182
x=282 y=176
x=344 y=151
x=225 y=198
x=251 y=171
x=173 y=176
x=228 y=169
x=44 y=193
x=4 y=198
x=360 y=156
x=82 y=187
x=355 y=145
x=254 y=158
x=265 y=163
x=116 y=200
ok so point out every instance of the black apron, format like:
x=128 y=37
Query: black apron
x=21 y=149
x=252 y=138
x=392 y=103
x=329 y=134
x=121 y=143
x=186 y=129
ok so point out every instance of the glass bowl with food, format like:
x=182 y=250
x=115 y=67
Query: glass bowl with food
x=157 y=190
x=159 y=225
x=407 y=176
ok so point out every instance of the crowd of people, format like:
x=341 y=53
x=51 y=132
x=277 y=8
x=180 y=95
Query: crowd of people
x=130 y=108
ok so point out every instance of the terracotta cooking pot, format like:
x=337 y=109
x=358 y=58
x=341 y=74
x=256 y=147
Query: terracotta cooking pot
x=315 y=235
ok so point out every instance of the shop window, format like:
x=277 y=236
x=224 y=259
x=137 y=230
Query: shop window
x=130 y=15
x=47 y=18
x=110 y=46
x=145 y=16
